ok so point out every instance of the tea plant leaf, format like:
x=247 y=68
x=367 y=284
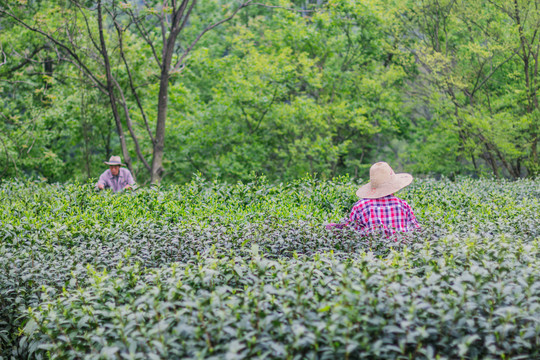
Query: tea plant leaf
x=249 y=271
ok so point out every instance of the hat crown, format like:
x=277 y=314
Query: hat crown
x=383 y=181
x=380 y=173
x=115 y=159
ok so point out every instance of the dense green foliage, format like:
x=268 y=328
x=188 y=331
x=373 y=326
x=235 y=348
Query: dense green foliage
x=248 y=270
x=326 y=87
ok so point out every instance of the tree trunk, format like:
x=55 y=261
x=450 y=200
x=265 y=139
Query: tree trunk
x=163 y=99
x=110 y=90
x=157 y=159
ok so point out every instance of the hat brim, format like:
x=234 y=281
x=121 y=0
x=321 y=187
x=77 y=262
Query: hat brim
x=398 y=182
x=113 y=163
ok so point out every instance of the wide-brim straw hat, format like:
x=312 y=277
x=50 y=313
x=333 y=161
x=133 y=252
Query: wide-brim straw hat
x=383 y=181
x=114 y=160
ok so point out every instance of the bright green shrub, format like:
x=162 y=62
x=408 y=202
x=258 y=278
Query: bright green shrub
x=466 y=286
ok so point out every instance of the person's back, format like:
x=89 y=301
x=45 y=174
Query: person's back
x=378 y=209
x=387 y=214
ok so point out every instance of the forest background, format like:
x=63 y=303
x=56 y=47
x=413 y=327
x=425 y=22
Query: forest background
x=228 y=89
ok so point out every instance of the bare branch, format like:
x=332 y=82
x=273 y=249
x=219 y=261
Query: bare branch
x=476 y=88
x=501 y=8
x=110 y=83
x=162 y=24
x=192 y=162
x=129 y=124
x=245 y=116
x=32 y=145
x=96 y=84
x=187 y=16
x=178 y=65
x=98 y=48
x=180 y=48
x=186 y=52
x=26 y=59
x=145 y=36
x=85 y=69
x=33 y=125
x=478 y=75
x=132 y=86
x=266 y=110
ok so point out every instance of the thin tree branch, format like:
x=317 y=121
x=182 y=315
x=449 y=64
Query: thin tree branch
x=87 y=25
x=168 y=46
x=491 y=74
x=57 y=42
x=96 y=84
x=478 y=75
x=177 y=66
x=129 y=124
x=132 y=86
x=187 y=15
x=162 y=25
x=26 y=59
x=245 y=117
x=33 y=126
x=186 y=52
x=145 y=36
x=32 y=145
x=192 y=162
x=265 y=111
x=110 y=83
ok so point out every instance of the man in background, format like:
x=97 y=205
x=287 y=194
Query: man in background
x=116 y=178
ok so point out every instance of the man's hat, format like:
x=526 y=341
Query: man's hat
x=114 y=160
x=383 y=181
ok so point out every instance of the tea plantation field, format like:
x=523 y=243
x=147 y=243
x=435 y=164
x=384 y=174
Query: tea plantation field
x=218 y=271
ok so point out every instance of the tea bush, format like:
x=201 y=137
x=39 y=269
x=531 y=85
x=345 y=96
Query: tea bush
x=216 y=270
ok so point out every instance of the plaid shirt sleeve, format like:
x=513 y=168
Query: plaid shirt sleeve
x=356 y=219
x=412 y=223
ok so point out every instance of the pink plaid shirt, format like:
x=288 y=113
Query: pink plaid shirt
x=389 y=214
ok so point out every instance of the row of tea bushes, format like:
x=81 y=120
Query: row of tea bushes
x=61 y=262
x=464 y=206
x=481 y=302
x=49 y=234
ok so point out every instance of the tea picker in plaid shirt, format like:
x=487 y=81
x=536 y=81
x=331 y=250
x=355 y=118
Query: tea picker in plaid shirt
x=378 y=209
